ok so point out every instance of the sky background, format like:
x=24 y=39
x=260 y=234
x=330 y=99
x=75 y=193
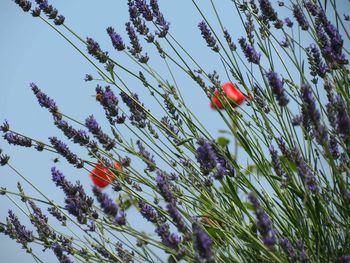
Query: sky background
x=30 y=51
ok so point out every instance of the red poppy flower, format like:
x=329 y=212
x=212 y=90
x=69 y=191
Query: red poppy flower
x=231 y=92
x=102 y=176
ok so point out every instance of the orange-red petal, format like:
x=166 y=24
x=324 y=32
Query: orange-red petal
x=102 y=176
x=231 y=92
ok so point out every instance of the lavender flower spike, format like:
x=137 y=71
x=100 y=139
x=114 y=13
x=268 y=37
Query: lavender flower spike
x=44 y=100
x=63 y=150
x=251 y=54
x=96 y=130
x=94 y=49
x=202 y=245
x=4 y=158
x=116 y=39
x=207 y=35
x=264 y=223
x=24 y=4
x=300 y=17
x=277 y=88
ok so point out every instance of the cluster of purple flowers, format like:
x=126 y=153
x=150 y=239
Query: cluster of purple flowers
x=300 y=17
x=147 y=157
x=211 y=161
x=24 y=4
x=276 y=85
x=170 y=129
x=106 y=97
x=116 y=39
x=202 y=245
x=208 y=37
x=277 y=166
x=15 y=230
x=317 y=66
x=63 y=150
x=77 y=202
x=4 y=158
x=229 y=41
x=110 y=208
x=330 y=41
x=138 y=113
x=107 y=142
x=94 y=49
x=264 y=223
x=49 y=10
x=311 y=115
x=251 y=54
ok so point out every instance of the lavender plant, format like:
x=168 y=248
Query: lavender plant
x=280 y=193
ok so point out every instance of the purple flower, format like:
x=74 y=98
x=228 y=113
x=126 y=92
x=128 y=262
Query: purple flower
x=267 y=10
x=311 y=7
x=24 y=4
x=211 y=161
x=276 y=85
x=206 y=156
x=300 y=17
x=287 y=248
x=264 y=224
x=148 y=212
x=44 y=100
x=96 y=130
x=116 y=39
x=288 y=22
x=260 y=100
x=170 y=129
x=39 y=220
x=343 y=259
x=305 y=173
x=144 y=9
x=55 y=212
x=229 y=41
x=312 y=115
x=4 y=158
x=109 y=207
x=77 y=202
x=202 y=244
x=138 y=113
x=88 y=77
x=15 y=139
x=78 y=136
x=120 y=219
x=343 y=121
x=59 y=20
x=18 y=231
x=165 y=187
x=207 y=35
x=317 y=66
x=251 y=54
x=63 y=150
x=58 y=250
x=36 y=12
x=50 y=11
x=147 y=157
x=5 y=127
x=177 y=218
x=160 y=21
x=169 y=239
x=109 y=101
x=135 y=43
x=94 y=49
x=277 y=166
